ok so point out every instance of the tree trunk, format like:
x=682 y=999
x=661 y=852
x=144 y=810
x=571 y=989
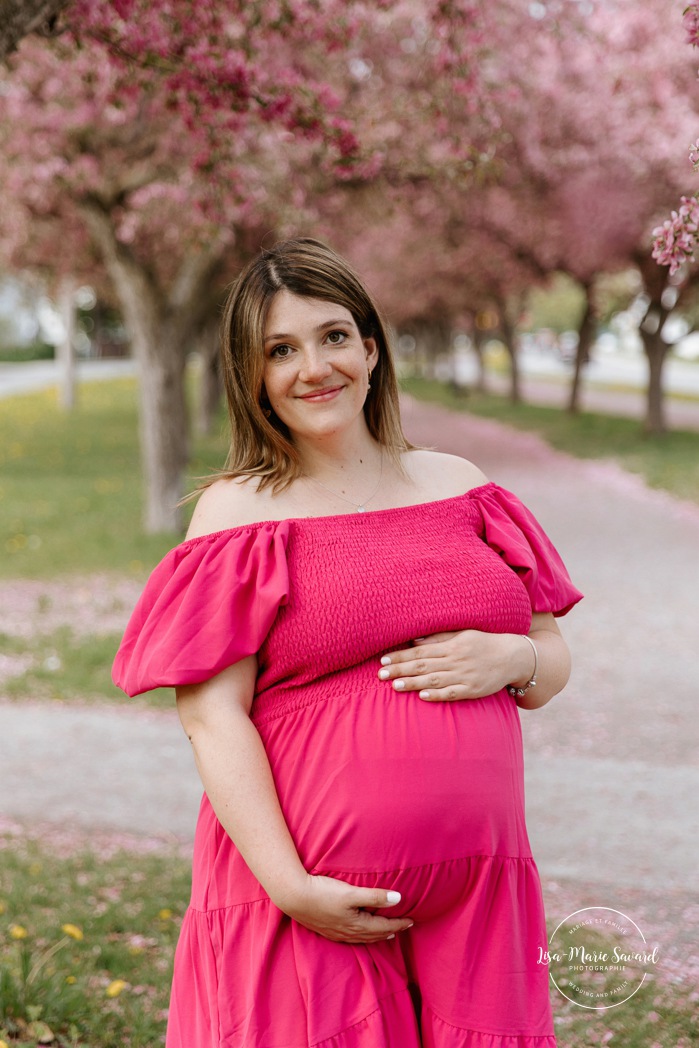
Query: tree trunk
x=478 y=341
x=163 y=421
x=161 y=328
x=656 y=349
x=210 y=385
x=65 y=351
x=582 y=353
x=507 y=329
x=431 y=341
x=157 y=345
x=21 y=17
x=655 y=283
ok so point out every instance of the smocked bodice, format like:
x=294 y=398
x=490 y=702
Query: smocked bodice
x=315 y=596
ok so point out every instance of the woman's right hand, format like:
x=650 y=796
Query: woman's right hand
x=338 y=911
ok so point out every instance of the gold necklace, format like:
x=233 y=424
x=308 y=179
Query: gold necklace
x=360 y=507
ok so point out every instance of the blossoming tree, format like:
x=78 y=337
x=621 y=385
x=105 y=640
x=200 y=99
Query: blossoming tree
x=171 y=130
x=600 y=178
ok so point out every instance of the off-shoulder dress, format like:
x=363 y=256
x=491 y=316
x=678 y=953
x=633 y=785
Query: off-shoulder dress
x=378 y=787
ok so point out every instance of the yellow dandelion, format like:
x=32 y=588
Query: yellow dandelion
x=70 y=979
x=116 y=987
x=135 y=950
x=4 y=1044
x=18 y=932
x=165 y=914
x=73 y=931
x=35 y=869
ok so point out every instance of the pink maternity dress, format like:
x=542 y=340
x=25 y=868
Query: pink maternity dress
x=379 y=788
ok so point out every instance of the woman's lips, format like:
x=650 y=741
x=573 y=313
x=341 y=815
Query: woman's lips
x=322 y=394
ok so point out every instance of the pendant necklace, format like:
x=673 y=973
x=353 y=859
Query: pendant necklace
x=360 y=507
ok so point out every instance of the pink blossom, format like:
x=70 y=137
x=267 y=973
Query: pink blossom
x=690 y=20
x=675 y=241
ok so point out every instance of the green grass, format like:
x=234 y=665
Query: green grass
x=127 y=907
x=656 y=1012
x=18 y=354
x=657 y=1016
x=63 y=667
x=111 y=986
x=70 y=484
x=669 y=462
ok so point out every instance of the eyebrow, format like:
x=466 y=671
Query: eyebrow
x=321 y=327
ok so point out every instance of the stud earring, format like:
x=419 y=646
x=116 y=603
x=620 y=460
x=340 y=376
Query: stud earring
x=368 y=386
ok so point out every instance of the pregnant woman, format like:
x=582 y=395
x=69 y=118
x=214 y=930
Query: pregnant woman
x=350 y=625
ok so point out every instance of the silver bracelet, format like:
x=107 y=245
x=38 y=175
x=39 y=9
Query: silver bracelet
x=519 y=693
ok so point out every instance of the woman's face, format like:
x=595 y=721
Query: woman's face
x=316 y=365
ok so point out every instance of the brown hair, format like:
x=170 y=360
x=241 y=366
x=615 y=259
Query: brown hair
x=261 y=445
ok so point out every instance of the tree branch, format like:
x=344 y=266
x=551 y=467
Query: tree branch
x=18 y=18
x=129 y=275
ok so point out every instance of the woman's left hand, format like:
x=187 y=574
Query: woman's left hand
x=462 y=664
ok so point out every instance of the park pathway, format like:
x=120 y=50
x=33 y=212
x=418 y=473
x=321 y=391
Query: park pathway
x=611 y=765
x=42 y=374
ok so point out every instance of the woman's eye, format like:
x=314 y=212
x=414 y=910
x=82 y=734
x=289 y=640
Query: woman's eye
x=281 y=351
x=336 y=338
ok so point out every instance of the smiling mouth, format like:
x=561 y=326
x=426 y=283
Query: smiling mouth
x=320 y=394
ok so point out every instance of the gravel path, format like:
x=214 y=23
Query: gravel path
x=89 y=604
x=680 y=413
x=612 y=775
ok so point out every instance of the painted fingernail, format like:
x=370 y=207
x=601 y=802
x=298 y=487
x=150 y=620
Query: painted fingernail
x=384 y=674
x=392 y=898
x=399 y=685
x=390 y=936
x=419 y=640
x=424 y=694
x=385 y=660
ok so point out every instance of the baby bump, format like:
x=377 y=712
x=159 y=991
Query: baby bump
x=384 y=781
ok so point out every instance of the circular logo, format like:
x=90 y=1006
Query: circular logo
x=598 y=958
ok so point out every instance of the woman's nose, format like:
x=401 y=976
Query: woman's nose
x=314 y=366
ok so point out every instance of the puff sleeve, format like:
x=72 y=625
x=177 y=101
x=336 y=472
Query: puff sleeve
x=513 y=532
x=209 y=603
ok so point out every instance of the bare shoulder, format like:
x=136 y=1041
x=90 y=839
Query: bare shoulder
x=444 y=475
x=227 y=503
